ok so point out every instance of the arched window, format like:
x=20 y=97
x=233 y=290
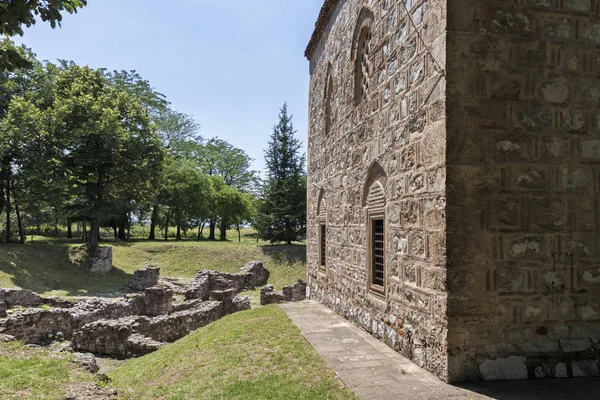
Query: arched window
x=374 y=199
x=361 y=50
x=329 y=98
x=322 y=218
x=363 y=67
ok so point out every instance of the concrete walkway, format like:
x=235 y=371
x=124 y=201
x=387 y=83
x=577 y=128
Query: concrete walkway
x=374 y=371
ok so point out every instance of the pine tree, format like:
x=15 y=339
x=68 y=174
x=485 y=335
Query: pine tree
x=282 y=210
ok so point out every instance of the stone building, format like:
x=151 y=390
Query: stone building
x=454 y=181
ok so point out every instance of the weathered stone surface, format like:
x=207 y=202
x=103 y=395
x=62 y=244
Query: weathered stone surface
x=252 y=275
x=6 y=338
x=138 y=335
x=87 y=361
x=143 y=279
x=268 y=295
x=295 y=292
x=158 y=300
x=38 y=326
x=20 y=297
x=101 y=261
x=475 y=136
x=504 y=369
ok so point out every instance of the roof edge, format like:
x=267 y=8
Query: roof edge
x=322 y=21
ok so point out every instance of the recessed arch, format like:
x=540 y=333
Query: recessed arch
x=375 y=187
x=328 y=99
x=361 y=49
x=321 y=205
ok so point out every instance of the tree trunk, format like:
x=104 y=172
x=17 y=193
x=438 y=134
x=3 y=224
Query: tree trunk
x=212 y=225
x=184 y=230
x=115 y=232
x=223 y=230
x=39 y=224
x=69 y=229
x=55 y=229
x=201 y=230
x=178 y=237
x=94 y=235
x=122 y=226
x=128 y=226
x=84 y=232
x=19 y=220
x=7 y=173
x=167 y=225
x=153 y=223
x=239 y=233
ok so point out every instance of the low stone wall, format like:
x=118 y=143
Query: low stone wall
x=136 y=336
x=143 y=279
x=38 y=326
x=297 y=292
x=251 y=275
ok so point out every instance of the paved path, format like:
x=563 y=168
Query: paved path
x=374 y=371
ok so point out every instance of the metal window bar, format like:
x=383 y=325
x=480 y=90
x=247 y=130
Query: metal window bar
x=323 y=248
x=378 y=273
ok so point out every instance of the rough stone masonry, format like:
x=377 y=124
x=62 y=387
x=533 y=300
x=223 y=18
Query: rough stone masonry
x=454 y=181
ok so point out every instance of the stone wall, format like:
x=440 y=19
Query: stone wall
x=38 y=326
x=523 y=188
x=474 y=127
x=387 y=153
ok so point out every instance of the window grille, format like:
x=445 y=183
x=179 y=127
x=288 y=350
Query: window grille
x=323 y=247
x=378 y=249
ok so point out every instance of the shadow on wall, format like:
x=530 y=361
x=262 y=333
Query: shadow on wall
x=543 y=389
x=47 y=268
x=286 y=253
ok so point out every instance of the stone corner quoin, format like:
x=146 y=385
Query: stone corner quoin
x=454 y=181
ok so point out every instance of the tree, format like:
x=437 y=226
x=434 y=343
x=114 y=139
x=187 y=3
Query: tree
x=105 y=144
x=185 y=194
x=16 y=13
x=282 y=209
x=232 y=208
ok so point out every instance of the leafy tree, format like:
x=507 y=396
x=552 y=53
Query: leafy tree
x=16 y=13
x=282 y=211
x=219 y=158
x=232 y=207
x=105 y=144
x=185 y=194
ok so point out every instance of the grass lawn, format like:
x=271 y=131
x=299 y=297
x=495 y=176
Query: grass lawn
x=36 y=373
x=43 y=265
x=256 y=354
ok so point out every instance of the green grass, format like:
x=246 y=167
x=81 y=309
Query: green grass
x=43 y=265
x=36 y=373
x=257 y=354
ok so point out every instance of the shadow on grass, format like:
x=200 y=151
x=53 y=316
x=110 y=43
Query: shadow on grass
x=286 y=253
x=47 y=267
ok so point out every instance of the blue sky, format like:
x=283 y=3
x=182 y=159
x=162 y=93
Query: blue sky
x=230 y=64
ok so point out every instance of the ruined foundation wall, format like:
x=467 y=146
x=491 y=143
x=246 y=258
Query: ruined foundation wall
x=523 y=188
x=394 y=140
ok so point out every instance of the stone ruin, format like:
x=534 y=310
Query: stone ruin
x=251 y=275
x=143 y=279
x=141 y=322
x=135 y=325
x=297 y=292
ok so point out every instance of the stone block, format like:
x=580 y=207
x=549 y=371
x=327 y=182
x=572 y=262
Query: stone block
x=143 y=279
x=158 y=300
x=20 y=297
x=504 y=369
x=585 y=368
